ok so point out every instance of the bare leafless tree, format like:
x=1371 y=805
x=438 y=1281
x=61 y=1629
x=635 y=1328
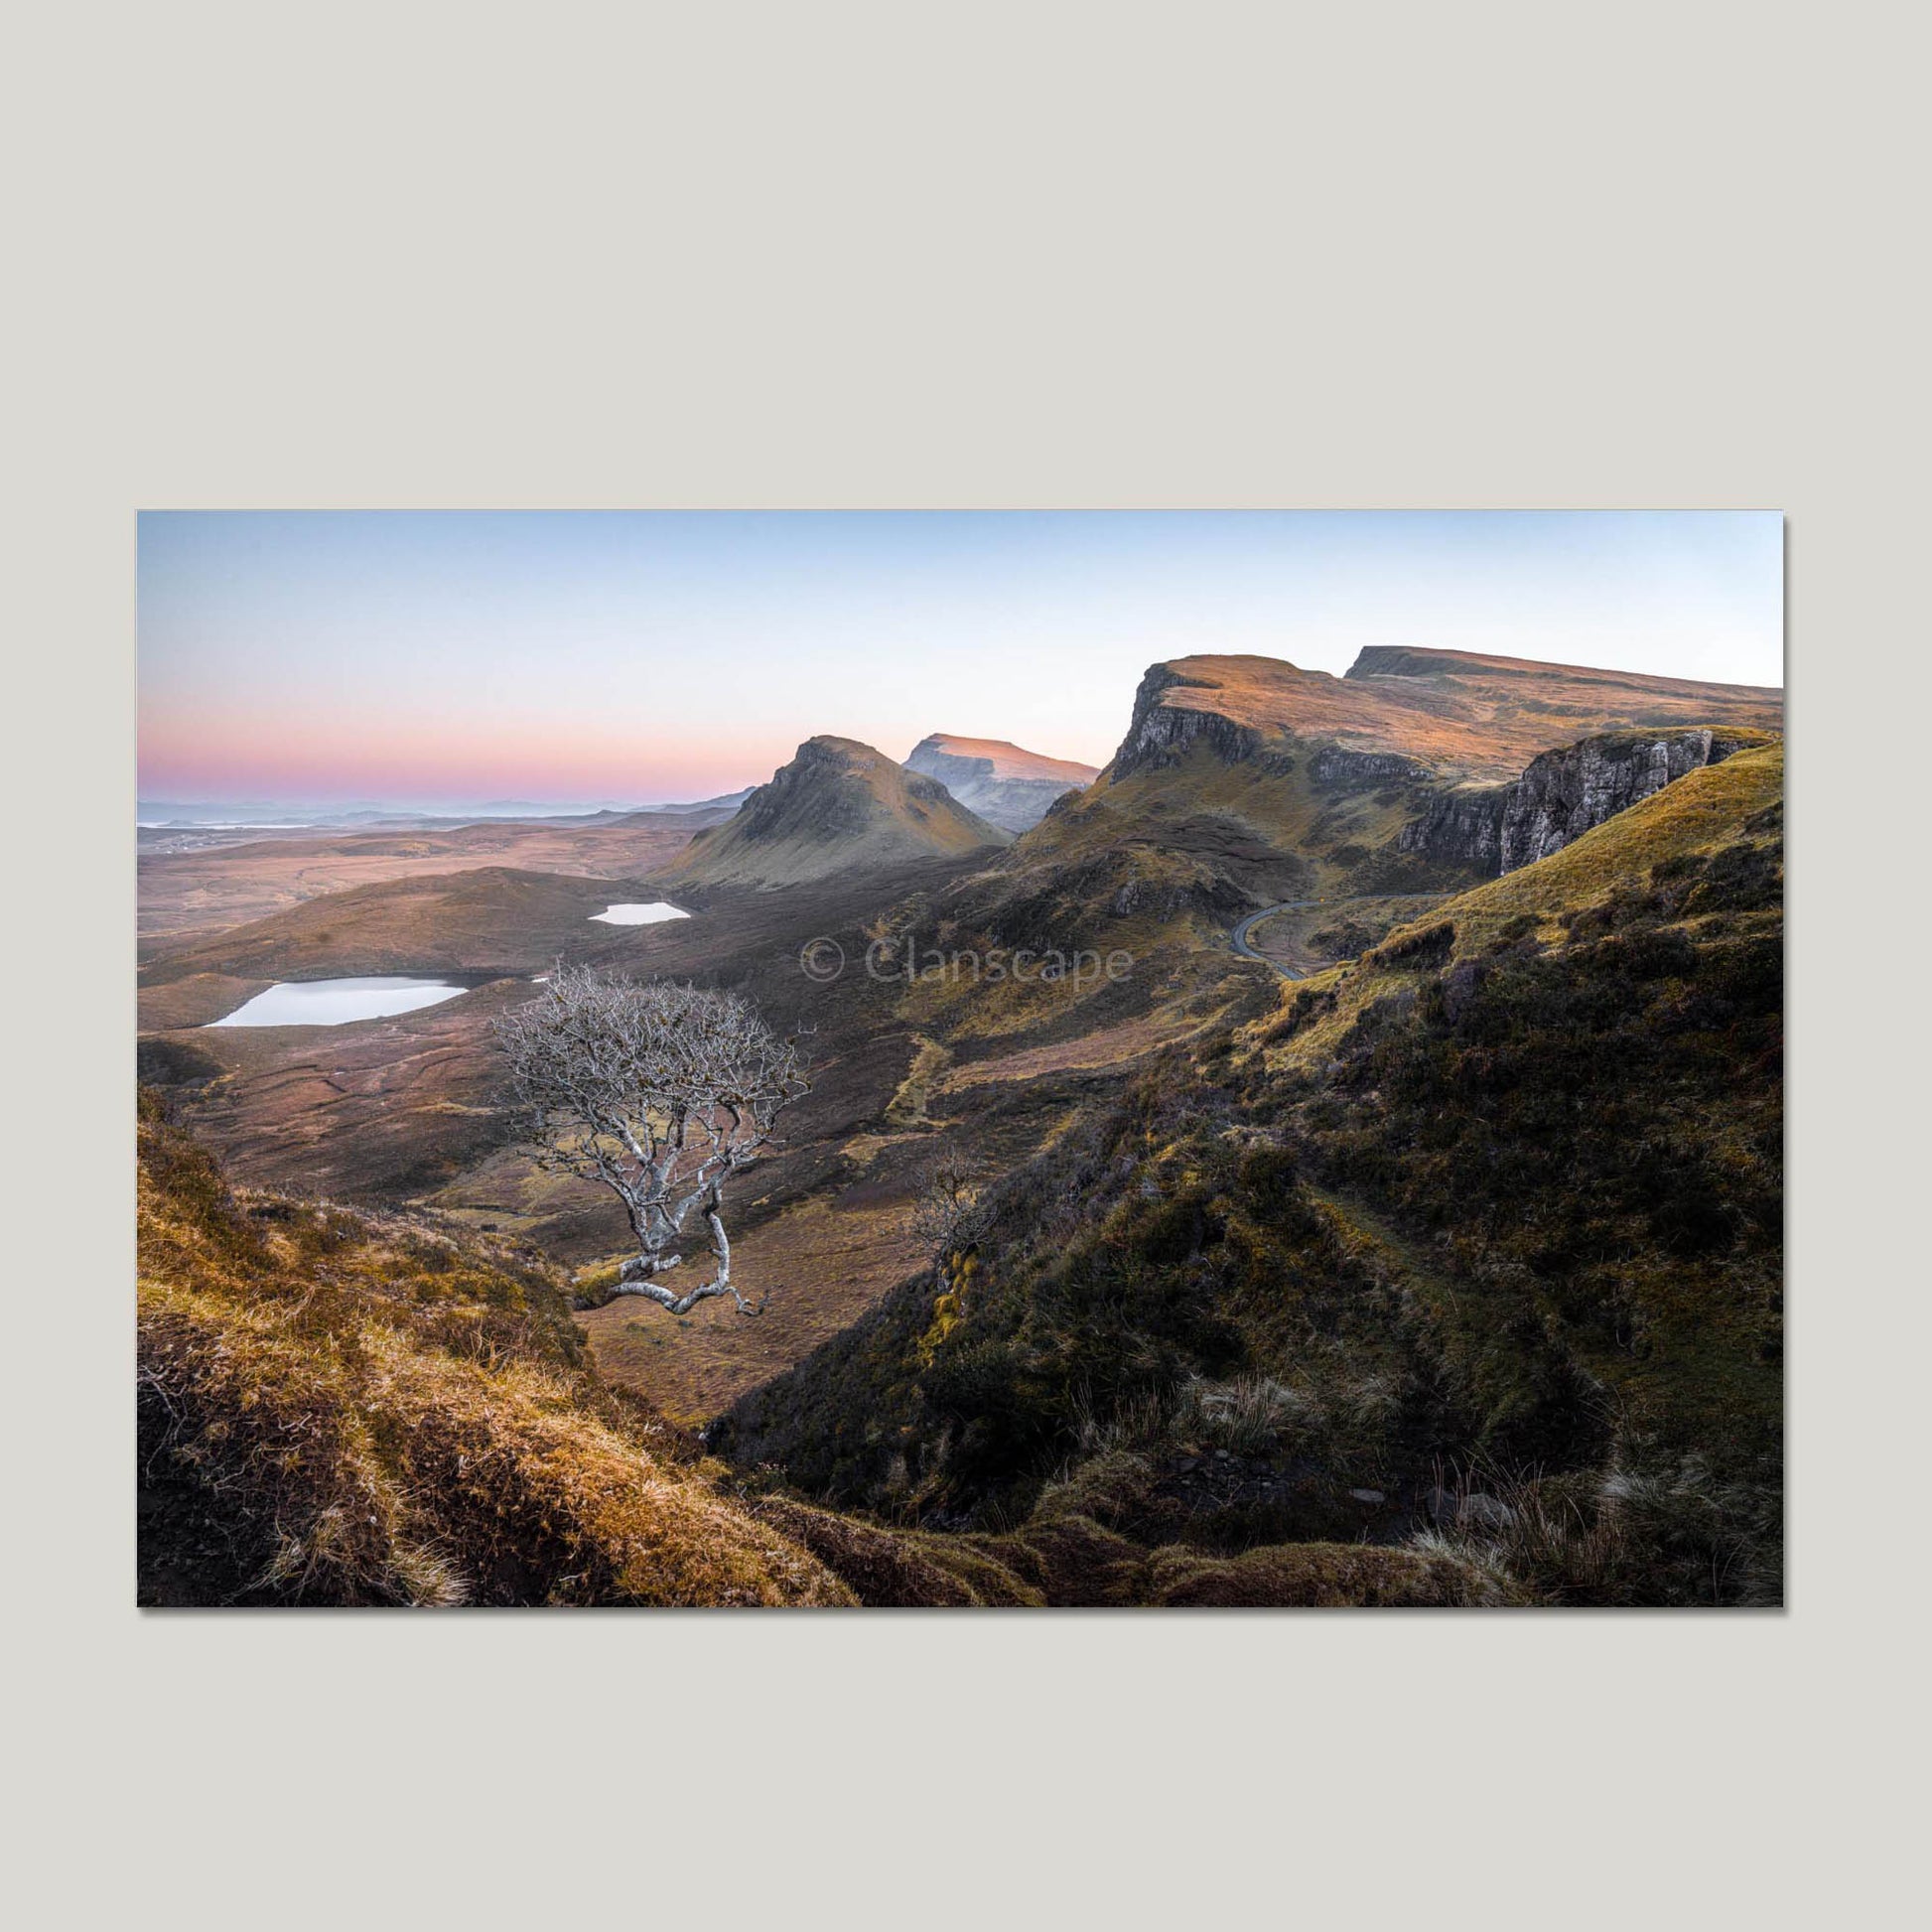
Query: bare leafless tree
x=661 y=1093
x=946 y=1210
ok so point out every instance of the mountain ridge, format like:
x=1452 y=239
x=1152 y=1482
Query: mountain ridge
x=1456 y=714
x=836 y=806
x=1003 y=782
x=1245 y=780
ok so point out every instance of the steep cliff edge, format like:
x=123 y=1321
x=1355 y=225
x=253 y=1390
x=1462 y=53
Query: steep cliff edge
x=1564 y=793
x=1456 y=714
x=1166 y=723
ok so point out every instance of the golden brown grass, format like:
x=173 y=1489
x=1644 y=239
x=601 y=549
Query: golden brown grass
x=490 y=919
x=1105 y=1046
x=1330 y=1575
x=1066 y=1556
x=368 y=1411
x=339 y=1409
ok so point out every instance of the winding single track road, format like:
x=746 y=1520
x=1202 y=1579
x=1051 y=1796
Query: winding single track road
x=1240 y=934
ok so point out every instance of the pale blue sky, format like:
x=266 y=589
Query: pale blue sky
x=453 y=658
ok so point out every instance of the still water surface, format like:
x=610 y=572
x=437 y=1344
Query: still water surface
x=328 y=1003
x=644 y=914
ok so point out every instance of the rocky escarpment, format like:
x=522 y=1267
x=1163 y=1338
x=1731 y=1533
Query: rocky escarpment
x=1161 y=734
x=1496 y=829
x=1468 y=718
x=1460 y=828
x=1337 y=769
x=1004 y=783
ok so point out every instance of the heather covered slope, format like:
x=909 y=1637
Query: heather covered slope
x=837 y=808
x=1475 y=1240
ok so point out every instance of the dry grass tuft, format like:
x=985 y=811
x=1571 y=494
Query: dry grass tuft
x=346 y=1410
x=897 y=1570
x=1330 y=1575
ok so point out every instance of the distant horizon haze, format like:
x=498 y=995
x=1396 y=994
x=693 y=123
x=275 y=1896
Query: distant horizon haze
x=161 y=810
x=452 y=662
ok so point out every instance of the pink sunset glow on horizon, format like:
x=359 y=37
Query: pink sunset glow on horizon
x=650 y=656
x=236 y=753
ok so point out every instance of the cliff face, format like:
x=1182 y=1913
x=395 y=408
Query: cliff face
x=1005 y=784
x=1161 y=734
x=1344 y=771
x=1462 y=828
x=1562 y=795
x=1242 y=780
x=1468 y=719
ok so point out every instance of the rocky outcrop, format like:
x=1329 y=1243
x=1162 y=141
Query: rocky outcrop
x=1464 y=827
x=1470 y=719
x=1562 y=795
x=1003 y=783
x=1494 y=829
x=1163 y=733
x=1338 y=769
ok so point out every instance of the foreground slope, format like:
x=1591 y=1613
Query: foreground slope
x=339 y=1409
x=837 y=808
x=345 y=1409
x=1475 y=1240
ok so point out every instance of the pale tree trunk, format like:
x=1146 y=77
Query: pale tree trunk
x=637 y=1274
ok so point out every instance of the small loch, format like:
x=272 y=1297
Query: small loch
x=333 y=1003
x=649 y=914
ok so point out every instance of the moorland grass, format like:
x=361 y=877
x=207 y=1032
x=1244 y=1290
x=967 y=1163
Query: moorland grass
x=345 y=1409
